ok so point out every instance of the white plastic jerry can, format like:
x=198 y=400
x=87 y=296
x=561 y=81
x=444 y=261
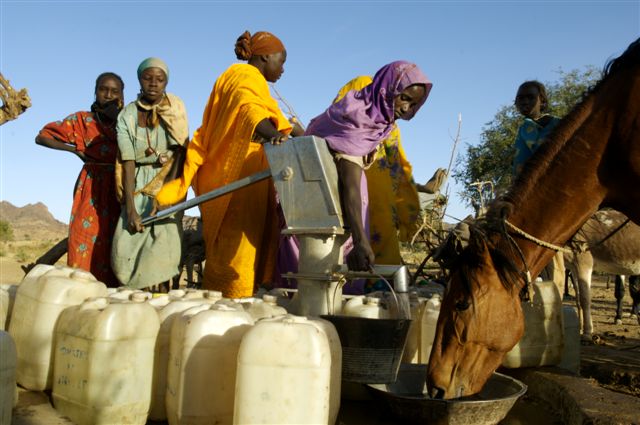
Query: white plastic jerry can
x=42 y=296
x=7 y=377
x=265 y=307
x=103 y=361
x=542 y=342
x=289 y=371
x=428 y=327
x=368 y=307
x=411 y=353
x=202 y=364
x=125 y=293
x=7 y=300
x=571 y=350
x=169 y=309
x=282 y=297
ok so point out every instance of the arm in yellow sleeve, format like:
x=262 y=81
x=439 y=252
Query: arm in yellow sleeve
x=175 y=190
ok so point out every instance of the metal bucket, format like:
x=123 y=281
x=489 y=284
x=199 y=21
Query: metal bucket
x=407 y=400
x=371 y=348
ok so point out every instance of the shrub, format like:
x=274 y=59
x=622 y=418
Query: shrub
x=6 y=232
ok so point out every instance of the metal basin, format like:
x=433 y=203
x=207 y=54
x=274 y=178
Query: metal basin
x=407 y=399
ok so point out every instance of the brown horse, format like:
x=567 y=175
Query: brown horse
x=591 y=160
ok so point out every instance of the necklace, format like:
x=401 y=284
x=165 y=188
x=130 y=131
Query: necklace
x=162 y=157
x=150 y=150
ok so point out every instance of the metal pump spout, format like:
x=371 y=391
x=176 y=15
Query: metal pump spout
x=398 y=273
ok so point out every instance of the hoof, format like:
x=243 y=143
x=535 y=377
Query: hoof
x=588 y=338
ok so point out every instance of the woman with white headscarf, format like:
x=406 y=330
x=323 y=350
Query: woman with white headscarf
x=152 y=133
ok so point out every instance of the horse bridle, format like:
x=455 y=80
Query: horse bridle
x=527 y=274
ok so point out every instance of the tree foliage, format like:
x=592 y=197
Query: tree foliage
x=490 y=160
x=6 y=232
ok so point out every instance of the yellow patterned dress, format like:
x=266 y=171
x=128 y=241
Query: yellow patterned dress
x=393 y=200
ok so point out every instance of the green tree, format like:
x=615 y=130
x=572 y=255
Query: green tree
x=490 y=160
x=6 y=232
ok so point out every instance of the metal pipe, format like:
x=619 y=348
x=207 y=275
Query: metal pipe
x=398 y=273
x=215 y=193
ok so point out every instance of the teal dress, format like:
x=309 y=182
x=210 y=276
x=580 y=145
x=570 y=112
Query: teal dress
x=530 y=137
x=151 y=257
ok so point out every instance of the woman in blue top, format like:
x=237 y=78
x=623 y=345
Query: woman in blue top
x=532 y=102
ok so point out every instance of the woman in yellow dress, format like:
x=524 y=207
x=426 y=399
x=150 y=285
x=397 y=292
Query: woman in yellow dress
x=240 y=229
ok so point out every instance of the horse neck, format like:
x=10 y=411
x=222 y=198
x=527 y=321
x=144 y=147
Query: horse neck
x=562 y=190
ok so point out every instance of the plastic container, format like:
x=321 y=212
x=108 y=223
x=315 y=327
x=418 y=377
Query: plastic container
x=351 y=304
x=428 y=327
x=412 y=350
x=542 y=342
x=283 y=296
x=7 y=300
x=202 y=364
x=265 y=308
x=43 y=294
x=176 y=302
x=234 y=305
x=124 y=293
x=369 y=307
x=571 y=351
x=103 y=363
x=7 y=377
x=288 y=373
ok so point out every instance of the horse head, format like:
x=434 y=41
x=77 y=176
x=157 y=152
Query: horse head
x=589 y=161
x=480 y=318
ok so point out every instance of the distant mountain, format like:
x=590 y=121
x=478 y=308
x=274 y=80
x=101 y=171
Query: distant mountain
x=32 y=222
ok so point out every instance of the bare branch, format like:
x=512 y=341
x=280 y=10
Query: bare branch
x=13 y=103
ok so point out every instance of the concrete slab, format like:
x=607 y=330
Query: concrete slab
x=579 y=400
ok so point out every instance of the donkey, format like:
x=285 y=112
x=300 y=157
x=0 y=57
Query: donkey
x=607 y=243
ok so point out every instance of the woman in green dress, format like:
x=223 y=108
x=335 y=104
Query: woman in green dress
x=152 y=135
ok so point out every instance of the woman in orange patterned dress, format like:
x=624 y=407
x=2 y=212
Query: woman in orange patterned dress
x=91 y=136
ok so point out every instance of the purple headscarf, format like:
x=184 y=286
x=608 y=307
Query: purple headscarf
x=357 y=123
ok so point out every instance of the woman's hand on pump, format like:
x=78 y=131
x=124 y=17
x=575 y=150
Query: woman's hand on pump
x=266 y=131
x=134 y=222
x=276 y=140
x=361 y=257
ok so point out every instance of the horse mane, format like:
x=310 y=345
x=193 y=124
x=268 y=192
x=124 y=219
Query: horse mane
x=490 y=233
x=540 y=163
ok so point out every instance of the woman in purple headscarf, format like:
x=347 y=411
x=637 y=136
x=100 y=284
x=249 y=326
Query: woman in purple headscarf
x=354 y=127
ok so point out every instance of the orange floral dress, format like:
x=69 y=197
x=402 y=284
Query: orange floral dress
x=95 y=208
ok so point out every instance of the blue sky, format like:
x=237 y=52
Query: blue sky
x=475 y=52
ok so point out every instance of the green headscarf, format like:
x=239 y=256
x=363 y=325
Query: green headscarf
x=153 y=63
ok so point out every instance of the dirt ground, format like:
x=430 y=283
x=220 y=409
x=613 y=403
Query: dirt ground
x=613 y=356
x=16 y=254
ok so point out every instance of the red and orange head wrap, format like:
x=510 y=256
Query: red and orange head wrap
x=260 y=43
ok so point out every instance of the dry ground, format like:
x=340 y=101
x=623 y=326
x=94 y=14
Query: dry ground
x=613 y=358
x=17 y=253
